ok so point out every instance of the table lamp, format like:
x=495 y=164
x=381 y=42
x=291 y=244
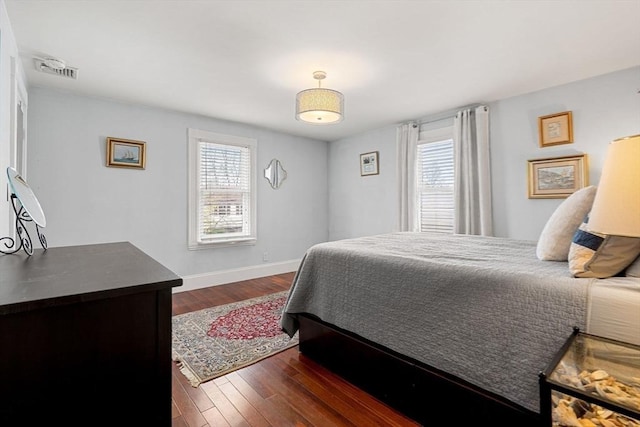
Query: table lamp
x=616 y=207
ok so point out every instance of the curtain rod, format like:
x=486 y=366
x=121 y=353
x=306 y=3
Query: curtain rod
x=444 y=115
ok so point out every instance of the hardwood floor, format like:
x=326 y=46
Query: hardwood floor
x=287 y=389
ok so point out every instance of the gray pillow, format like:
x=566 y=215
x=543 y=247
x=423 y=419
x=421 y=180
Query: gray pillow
x=555 y=240
x=634 y=269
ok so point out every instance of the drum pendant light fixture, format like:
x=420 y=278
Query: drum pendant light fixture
x=319 y=106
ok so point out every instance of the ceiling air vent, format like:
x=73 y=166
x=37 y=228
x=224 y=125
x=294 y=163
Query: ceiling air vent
x=45 y=66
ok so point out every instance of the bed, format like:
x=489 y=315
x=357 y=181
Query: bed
x=429 y=321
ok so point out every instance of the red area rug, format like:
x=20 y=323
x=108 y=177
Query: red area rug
x=215 y=341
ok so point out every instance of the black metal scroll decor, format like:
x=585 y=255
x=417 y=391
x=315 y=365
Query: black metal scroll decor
x=23 y=239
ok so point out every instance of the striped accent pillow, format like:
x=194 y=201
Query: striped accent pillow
x=600 y=255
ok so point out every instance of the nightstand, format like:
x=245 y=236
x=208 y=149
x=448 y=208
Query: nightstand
x=592 y=381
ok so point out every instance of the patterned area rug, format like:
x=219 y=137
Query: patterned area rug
x=215 y=341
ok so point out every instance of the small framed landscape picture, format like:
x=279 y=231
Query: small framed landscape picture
x=556 y=129
x=557 y=177
x=126 y=153
x=369 y=164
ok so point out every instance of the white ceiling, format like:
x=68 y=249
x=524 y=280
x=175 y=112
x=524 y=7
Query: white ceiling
x=393 y=60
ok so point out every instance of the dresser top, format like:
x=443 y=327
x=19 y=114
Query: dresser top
x=72 y=274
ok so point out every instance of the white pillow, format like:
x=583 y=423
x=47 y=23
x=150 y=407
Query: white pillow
x=555 y=239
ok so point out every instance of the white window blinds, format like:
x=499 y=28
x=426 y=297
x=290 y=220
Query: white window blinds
x=435 y=185
x=225 y=190
x=222 y=189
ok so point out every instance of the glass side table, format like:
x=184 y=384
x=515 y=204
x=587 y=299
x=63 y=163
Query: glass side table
x=592 y=382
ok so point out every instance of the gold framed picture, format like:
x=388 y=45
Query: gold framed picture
x=126 y=153
x=556 y=129
x=557 y=177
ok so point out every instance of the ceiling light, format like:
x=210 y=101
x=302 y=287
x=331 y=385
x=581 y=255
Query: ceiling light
x=319 y=105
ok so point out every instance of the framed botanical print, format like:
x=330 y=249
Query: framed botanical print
x=556 y=129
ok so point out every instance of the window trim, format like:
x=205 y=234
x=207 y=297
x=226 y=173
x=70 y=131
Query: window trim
x=194 y=137
x=435 y=135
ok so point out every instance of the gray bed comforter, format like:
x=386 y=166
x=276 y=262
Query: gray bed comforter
x=484 y=309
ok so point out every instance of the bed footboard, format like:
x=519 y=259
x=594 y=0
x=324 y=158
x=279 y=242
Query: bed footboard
x=413 y=388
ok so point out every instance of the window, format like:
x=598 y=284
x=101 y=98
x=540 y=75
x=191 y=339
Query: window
x=222 y=189
x=435 y=174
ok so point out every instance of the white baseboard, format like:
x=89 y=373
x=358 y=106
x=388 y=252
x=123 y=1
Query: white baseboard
x=198 y=281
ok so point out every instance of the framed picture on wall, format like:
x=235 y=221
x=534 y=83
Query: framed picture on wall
x=369 y=164
x=126 y=153
x=557 y=177
x=556 y=129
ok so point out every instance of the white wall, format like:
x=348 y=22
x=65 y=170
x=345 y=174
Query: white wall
x=604 y=108
x=11 y=74
x=86 y=202
x=362 y=205
x=323 y=199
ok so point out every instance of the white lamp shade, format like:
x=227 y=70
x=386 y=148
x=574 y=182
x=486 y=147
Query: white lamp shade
x=616 y=207
x=319 y=106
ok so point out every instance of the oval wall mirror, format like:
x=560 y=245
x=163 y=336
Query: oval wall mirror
x=25 y=195
x=275 y=174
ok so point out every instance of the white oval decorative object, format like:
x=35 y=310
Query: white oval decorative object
x=27 y=198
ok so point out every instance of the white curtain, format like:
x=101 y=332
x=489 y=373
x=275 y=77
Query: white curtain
x=407 y=146
x=472 y=172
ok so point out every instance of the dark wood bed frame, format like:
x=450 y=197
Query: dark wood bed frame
x=427 y=395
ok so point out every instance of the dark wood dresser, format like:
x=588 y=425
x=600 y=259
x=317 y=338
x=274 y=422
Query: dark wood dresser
x=85 y=337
